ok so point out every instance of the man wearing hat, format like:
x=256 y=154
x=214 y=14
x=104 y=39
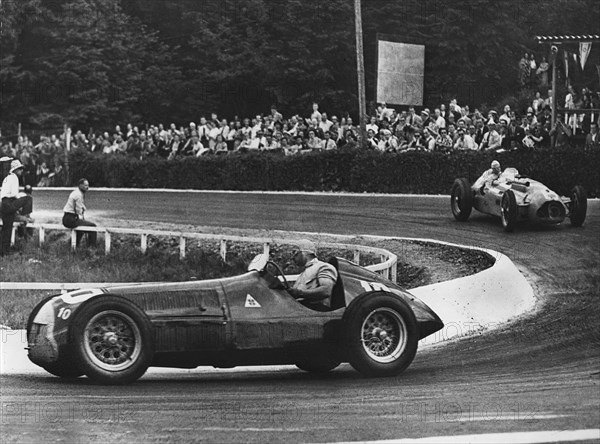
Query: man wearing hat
x=12 y=202
x=316 y=282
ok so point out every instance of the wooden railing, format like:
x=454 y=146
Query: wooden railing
x=387 y=267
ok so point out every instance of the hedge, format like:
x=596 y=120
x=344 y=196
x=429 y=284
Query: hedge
x=353 y=171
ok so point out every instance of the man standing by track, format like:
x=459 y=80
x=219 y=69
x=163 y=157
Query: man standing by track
x=12 y=202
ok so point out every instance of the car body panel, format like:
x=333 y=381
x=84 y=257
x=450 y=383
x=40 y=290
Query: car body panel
x=244 y=320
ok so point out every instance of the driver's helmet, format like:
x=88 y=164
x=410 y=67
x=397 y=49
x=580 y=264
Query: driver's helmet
x=496 y=166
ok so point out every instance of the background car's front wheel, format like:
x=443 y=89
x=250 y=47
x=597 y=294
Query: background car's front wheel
x=380 y=334
x=578 y=209
x=461 y=199
x=509 y=211
x=112 y=340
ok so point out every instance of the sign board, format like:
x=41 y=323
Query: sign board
x=400 y=73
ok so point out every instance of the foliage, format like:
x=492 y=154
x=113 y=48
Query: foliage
x=355 y=171
x=101 y=62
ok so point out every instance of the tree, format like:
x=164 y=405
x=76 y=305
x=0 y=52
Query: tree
x=86 y=63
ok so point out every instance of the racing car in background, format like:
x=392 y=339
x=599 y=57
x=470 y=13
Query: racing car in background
x=114 y=334
x=515 y=197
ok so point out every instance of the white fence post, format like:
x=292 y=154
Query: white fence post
x=266 y=248
x=144 y=243
x=73 y=240
x=181 y=247
x=12 y=235
x=223 y=249
x=42 y=236
x=107 y=242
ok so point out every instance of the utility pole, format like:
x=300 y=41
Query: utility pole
x=360 y=70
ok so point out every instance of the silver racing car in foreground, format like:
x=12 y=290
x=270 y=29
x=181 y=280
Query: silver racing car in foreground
x=113 y=335
x=514 y=197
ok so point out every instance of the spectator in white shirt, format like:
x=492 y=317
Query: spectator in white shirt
x=464 y=141
x=372 y=125
x=12 y=201
x=328 y=142
x=325 y=124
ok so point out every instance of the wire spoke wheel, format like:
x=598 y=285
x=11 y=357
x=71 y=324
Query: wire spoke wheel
x=384 y=335
x=112 y=340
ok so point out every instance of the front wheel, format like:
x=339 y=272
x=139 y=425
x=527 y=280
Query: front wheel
x=461 y=199
x=578 y=208
x=380 y=334
x=112 y=340
x=509 y=211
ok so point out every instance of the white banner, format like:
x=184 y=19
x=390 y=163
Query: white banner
x=584 y=52
x=400 y=73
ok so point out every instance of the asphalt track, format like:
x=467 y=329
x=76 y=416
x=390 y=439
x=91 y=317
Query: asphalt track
x=539 y=373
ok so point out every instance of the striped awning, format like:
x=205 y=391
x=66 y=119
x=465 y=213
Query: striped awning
x=567 y=38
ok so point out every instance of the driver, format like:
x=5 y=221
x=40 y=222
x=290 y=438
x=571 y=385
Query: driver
x=488 y=177
x=315 y=284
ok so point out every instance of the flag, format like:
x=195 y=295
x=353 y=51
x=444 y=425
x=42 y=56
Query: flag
x=584 y=51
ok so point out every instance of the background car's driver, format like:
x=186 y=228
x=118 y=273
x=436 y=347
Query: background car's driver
x=316 y=282
x=489 y=176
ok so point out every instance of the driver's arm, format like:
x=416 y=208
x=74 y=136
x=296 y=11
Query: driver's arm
x=323 y=291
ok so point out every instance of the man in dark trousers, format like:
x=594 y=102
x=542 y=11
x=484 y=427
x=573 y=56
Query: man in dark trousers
x=12 y=202
x=75 y=213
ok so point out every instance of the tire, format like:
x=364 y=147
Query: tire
x=62 y=368
x=509 y=211
x=318 y=366
x=111 y=340
x=578 y=209
x=390 y=326
x=461 y=199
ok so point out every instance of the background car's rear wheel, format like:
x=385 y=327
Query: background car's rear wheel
x=380 y=334
x=62 y=368
x=112 y=340
x=509 y=211
x=578 y=208
x=461 y=199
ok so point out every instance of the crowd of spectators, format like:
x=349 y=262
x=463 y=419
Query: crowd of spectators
x=443 y=129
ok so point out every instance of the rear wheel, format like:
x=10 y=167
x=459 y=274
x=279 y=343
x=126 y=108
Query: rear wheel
x=509 y=211
x=578 y=208
x=380 y=334
x=112 y=340
x=461 y=199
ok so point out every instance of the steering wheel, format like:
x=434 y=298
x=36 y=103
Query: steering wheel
x=279 y=272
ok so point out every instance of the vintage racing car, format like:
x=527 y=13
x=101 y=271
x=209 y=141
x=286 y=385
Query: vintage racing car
x=514 y=198
x=114 y=334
